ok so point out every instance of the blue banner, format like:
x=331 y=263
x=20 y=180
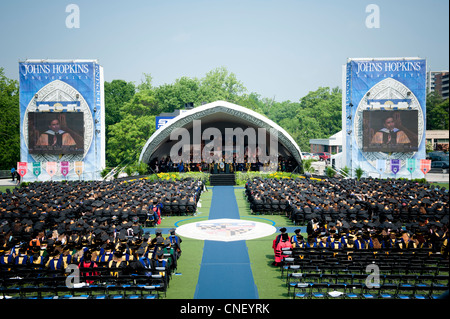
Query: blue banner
x=395 y=166
x=62 y=114
x=162 y=120
x=385 y=111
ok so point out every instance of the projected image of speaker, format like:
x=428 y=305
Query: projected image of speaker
x=55 y=133
x=390 y=131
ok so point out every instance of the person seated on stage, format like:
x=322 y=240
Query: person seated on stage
x=54 y=136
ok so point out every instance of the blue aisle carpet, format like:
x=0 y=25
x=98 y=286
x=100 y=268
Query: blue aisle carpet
x=225 y=271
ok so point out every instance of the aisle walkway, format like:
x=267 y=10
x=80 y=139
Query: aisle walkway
x=225 y=271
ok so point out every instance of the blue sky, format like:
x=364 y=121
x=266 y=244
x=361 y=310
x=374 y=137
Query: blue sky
x=279 y=49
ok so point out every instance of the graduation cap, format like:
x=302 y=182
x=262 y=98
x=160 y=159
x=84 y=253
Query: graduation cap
x=98 y=203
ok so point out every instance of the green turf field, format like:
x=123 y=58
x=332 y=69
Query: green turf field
x=184 y=280
x=267 y=277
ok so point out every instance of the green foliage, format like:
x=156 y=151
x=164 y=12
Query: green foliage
x=330 y=172
x=346 y=170
x=9 y=122
x=242 y=177
x=128 y=137
x=105 y=172
x=117 y=92
x=129 y=170
x=137 y=167
x=359 y=173
x=429 y=147
x=307 y=167
x=437 y=112
x=219 y=84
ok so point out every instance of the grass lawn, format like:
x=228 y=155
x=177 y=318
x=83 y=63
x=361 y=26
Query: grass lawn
x=3 y=188
x=184 y=281
x=440 y=184
x=267 y=277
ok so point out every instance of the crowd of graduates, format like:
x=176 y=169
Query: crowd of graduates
x=356 y=215
x=52 y=225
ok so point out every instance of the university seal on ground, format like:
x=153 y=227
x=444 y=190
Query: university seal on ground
x=226 y=230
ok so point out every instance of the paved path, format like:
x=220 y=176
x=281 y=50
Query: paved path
x=225 y=271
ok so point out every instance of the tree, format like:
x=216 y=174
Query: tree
x=318 y=115
x=9 y=122
x=219 y=84
x=117 y=92
x=437 y=112
x=128 y=137
x=174 y=96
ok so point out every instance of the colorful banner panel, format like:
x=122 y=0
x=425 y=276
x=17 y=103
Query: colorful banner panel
x=62 y=114
x=51 y=168
x=425 y=166
x=65 y=168
x=37 y=169
x=384 y=113
x=22 y=168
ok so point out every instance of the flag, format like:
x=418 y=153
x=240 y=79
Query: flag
x=51 y=168
x=411 y=165
x=395 y=166
x=78 y=168
x=381 y=165
x=65 y=168
x=22 y=168
x=37 y=169
x=425 y=166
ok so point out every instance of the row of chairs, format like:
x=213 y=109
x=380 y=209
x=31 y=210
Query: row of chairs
x=301 y=218
x=318 y=273
x=357 y=267
x=355 y=278
x=92 y=287
x=362 y=291
x=178 y=210
x=21 y=282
